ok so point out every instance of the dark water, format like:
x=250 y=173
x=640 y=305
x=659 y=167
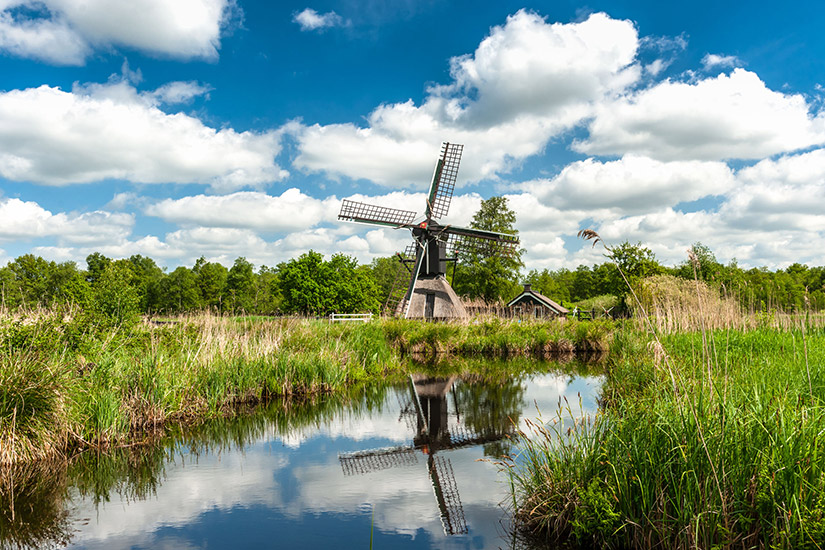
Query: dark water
x=410 y=462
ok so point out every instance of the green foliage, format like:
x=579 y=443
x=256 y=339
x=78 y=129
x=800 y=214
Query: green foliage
x=491 y=278
x=595 y=518
x=635 y=261
x=178 y=292
x=114 y=302
x=312 y=286
x=211 y=281
x=96 y=264
x=30 y=282
x=384 y=271
x=239 y=292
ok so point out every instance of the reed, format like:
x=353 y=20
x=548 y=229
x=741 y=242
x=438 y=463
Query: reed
x=709 y=438
x=735 y=461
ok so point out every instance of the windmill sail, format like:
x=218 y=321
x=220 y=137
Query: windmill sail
x=444 y=178
x=477 y=241
x=380 y=215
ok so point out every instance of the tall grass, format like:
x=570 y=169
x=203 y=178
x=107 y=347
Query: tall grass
x=673 y=304
x=735 y=461
x=65 y=383
x=711 y=438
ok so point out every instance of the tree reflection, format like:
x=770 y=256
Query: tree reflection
x=34 y=497
x=32 y=510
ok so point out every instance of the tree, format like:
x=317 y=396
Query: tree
x=31 y=274
x=707 y=268
x=211 y=281
x=384 y=271
x=635 y=261
x=146 y=276
x=267 y=297
x=178 y=291
x=312 y=286
x=95 y=265
x=114 y=300
x=239 y=292
x=544 y=282
x=490 y=277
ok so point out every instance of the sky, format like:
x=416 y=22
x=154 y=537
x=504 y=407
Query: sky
x=228 y=128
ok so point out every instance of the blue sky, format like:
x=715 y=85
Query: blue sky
x=222 y=129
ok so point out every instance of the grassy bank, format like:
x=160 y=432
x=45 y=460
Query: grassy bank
x=711 y=440
x=66 y=382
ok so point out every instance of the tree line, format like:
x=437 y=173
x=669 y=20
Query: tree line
x=313 y=285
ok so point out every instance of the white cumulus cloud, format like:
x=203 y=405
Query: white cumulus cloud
x=98 y=132
x=310 y=20
x=27 y=219
x=292 y=210
x=526 y=82
x=66 y=32
x=712 y=60
x=632 y=184
x=727 y=117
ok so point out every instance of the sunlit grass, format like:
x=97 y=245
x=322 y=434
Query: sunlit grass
x=67 y=383
x=714 y=449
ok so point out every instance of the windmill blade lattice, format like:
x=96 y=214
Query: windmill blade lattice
x=445 y=178
x=446 y=494
x=371 y=213
x=486 y=246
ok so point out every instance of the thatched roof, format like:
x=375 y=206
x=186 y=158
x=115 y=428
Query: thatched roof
x=529 y=293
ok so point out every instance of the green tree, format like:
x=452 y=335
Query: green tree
x=9 y=289
x=239 y=292
x=95 y=265
x=545 y=282
x=146 y=276
x=635 y=261
x=178 y=291
x=32 y=276
x=312 y=286
x=267 y=297
x=211 y=282
x=706 y=266
x=113 y=299
x=490 y=277
x=384 y=271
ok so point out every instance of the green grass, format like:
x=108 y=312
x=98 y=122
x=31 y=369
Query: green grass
x=66 y=383
x=718 y=444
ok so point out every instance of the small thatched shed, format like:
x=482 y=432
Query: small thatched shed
x=532 y=304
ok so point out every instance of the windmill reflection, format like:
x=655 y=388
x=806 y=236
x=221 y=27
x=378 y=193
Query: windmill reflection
x=426 y=411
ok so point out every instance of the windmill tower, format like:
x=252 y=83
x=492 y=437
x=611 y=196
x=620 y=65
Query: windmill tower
x=421 y=289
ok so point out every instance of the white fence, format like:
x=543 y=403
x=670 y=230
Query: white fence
x=342 y=317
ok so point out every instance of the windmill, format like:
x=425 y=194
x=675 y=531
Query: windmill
x=427 y=407
x=420 y=289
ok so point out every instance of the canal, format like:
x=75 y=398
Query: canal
x=407 y=464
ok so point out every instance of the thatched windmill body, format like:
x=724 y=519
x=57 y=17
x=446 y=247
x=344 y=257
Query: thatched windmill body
x=420 y=289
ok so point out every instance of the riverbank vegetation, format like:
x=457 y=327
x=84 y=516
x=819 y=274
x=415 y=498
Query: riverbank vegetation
x=709 y=436
x=68 y=380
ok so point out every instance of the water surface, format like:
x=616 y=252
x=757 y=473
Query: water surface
x=411 y=462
